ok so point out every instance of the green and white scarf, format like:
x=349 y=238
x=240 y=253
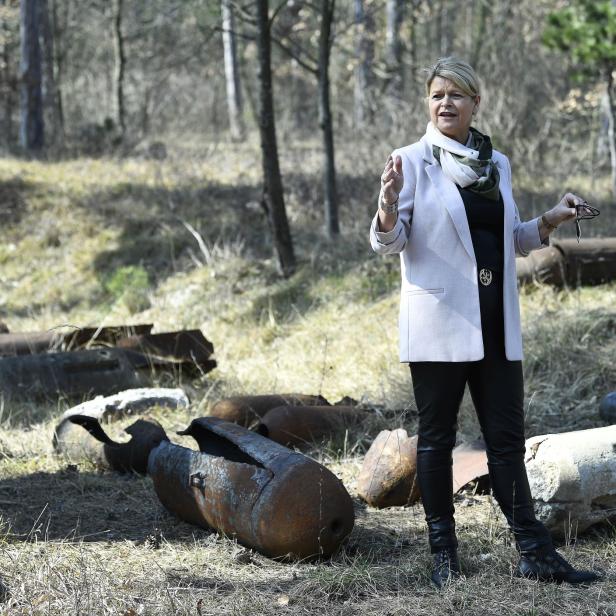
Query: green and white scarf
x=469 y=166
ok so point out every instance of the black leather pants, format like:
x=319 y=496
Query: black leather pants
x=497 y=390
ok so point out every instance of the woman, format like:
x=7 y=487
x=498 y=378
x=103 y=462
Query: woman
x=447 y=207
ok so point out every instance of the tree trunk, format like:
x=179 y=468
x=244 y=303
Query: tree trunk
x=50 y=96
x=7 y=83
x=609 y=87
x=445 y=32
x=393 y=48
x=32 y=125
x=364 y=43
x=119 y=66
x=60 y=55
x=272 y=190
x=232 y=73
x=325 y=119
x=484 y=10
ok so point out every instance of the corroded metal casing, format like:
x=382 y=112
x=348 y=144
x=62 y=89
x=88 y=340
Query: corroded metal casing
x=301 y=425
x=245 y=410
x=274 y=500
x=388 y=474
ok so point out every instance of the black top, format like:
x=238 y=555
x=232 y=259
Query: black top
x=485 y=220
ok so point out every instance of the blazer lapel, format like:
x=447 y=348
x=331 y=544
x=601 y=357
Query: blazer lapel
x=451 y=199
x=509 y=205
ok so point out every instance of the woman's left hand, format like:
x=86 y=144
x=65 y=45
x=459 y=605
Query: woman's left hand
x=565 y=209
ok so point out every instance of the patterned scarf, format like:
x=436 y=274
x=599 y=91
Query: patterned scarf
x=469 y=166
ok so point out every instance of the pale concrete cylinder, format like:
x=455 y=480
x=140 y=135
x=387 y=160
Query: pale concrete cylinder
x=573 y=478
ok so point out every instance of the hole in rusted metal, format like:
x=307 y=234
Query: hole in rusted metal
x=218 y=446
x=336 y=526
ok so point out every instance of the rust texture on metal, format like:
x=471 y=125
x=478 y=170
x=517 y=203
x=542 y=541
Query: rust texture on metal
x=248 y=410
x=32 y=343
x=83 y=436
x=188 y=348
x=470 y=463
x=270 y=498
x=565 y=262
x=302 y=425
x=29 y=369
x=70 y=374
x=388 y=474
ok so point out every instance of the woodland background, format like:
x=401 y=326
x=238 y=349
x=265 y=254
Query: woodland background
x=149 y=172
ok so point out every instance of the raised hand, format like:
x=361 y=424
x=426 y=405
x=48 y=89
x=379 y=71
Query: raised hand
x=392 y=180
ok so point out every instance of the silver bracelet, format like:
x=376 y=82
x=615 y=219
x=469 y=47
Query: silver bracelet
x=389 y=208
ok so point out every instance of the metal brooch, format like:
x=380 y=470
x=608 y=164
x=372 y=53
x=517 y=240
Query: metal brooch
x=485 y=276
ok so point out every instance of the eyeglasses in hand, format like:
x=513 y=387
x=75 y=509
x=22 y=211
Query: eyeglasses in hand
x=583 y=212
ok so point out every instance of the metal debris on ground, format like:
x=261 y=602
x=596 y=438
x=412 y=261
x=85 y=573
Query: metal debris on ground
x=270 y=498
x=72 y=440
x=388 y=474
x=32 y=343
x=248 y=410
x=92 y=442
x=116 y=358
x=302 y=425
x=567 y=263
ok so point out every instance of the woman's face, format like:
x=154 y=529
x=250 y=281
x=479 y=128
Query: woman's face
x=451 y=110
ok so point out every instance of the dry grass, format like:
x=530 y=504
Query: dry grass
x=78 y=540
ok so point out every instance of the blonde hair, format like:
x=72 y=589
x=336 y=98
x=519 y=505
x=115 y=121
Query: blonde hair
x=459 y=72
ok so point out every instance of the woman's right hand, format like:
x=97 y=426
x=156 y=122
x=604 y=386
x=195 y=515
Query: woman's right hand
x=392 y=180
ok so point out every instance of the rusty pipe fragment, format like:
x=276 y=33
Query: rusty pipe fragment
x=301 y=425
x=565 y=262
x=270 y=498
x=33 y=371
x=146 y=433
x=247 y=410
x=32 y=343
x=92 y=443
x=189 y=349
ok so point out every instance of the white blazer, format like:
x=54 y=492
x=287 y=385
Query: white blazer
x=439 y=300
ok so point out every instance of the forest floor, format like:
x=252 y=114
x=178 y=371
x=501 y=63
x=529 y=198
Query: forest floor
x=104 y=241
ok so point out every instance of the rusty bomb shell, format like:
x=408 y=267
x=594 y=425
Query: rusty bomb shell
x=301 y=425
x=246 y=410
x=388 y=474
x=92 y=442
x=270 y=498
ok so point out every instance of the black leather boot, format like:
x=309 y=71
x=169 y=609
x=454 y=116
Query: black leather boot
x=547 y=565
x=446 y=567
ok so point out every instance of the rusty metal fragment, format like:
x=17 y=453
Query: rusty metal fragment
x=565 y=262
x=71 y=439
x=29 y=369
x=388 y=474
x=302 y=425
x=32 y=343
x=274 y=500
x=470 y=463
x=247 y=410
x=91 y=441
x=70 y=374
x=188 y=348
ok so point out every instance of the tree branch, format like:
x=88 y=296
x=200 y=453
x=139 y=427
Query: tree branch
x=275 y=13
x=312 y=69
